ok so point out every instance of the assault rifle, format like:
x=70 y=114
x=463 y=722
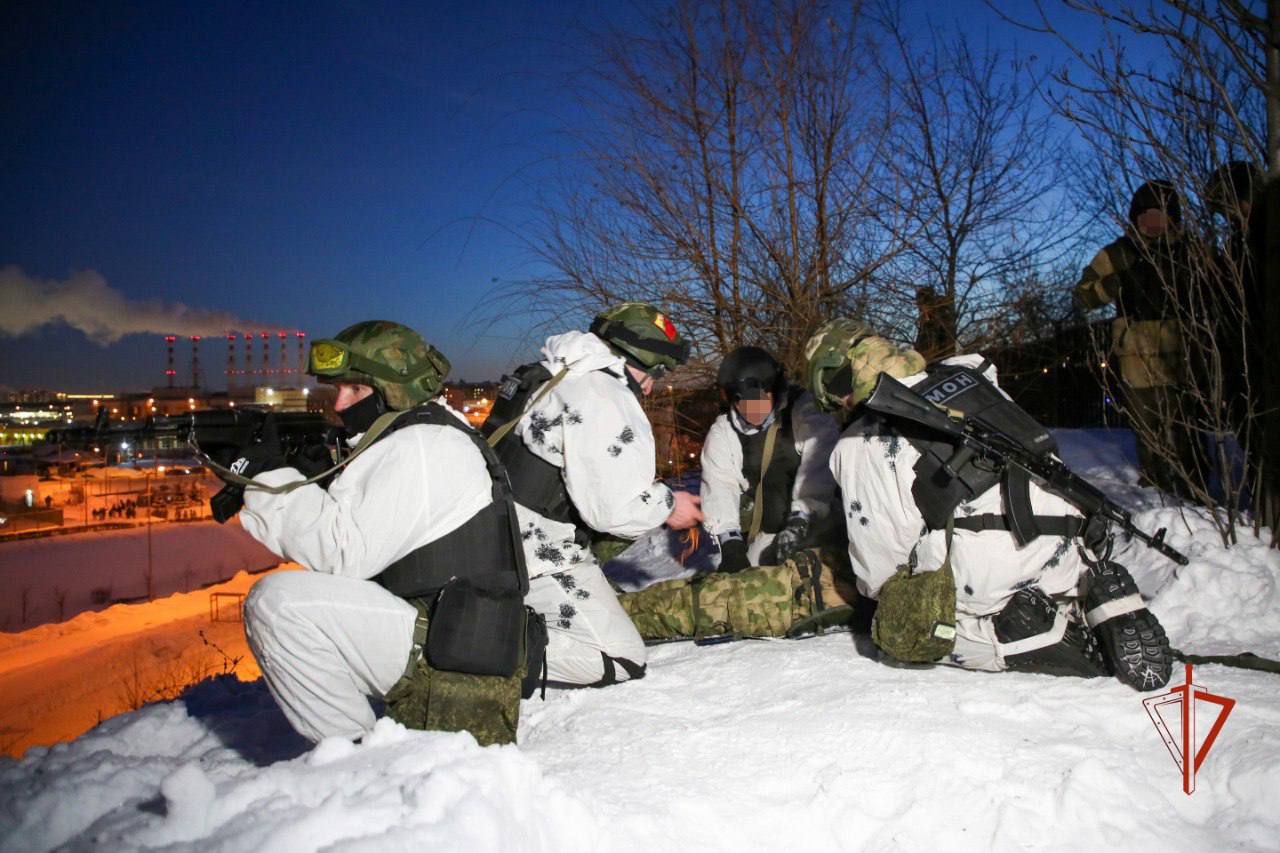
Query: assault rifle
x=974 y=440
x=219 y=433
x=214 y=434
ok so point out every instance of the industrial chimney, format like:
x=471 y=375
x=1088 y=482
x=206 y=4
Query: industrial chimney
x=231 y=361
x=195 y=361
x=170 y=372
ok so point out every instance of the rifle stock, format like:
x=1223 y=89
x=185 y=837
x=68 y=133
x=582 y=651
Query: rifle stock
x=891 y=397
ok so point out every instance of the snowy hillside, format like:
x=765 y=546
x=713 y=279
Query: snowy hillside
x=756 y=745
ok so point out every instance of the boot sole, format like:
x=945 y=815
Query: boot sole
x=1134 y=643
x=1136 y=647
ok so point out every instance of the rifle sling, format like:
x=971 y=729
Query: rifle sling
x=378 y=428
x=1051 y=525
x=1244 y=660
x=757 y=509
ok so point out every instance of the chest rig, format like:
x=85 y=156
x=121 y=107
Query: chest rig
x=486 y=549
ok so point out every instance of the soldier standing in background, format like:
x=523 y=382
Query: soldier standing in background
x=1147 y=273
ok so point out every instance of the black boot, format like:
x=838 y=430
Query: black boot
x=1030 y=613
x=1133 y=642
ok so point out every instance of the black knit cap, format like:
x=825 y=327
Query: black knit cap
x=1158 y=195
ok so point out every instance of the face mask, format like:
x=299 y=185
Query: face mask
x=358 y=418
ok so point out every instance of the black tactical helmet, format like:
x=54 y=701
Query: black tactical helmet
x=1157 y=195
x=643 y=335
x=748 y=373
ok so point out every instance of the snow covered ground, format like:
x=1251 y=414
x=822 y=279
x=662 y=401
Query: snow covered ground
x=757 y=745
x=57 y=681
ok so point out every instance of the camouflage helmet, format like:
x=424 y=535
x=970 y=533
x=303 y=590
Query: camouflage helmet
x=846 y=357
x=392 y=358
x=643 y=335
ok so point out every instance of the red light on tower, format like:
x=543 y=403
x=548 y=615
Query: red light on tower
x=170 y=340
x=302 y=353
x=284 y=359
x=248 y=353
x=266 y=353
x=231 y=360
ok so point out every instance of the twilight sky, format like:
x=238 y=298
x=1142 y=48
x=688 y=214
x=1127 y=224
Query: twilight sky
x=274 y=165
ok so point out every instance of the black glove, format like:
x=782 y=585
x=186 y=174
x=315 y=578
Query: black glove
x=790 y=538
x=1096 y=536
x=733 y=555
x=311 y=459
x=227 y=502
x=265 y=454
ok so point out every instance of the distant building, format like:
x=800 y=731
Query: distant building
x=473 y=399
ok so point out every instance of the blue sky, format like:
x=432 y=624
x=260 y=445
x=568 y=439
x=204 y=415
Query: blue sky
x=297 y=166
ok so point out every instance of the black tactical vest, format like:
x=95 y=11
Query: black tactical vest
x=783 y=466
x=486 y=549
x=945 y=477
x=535 y=482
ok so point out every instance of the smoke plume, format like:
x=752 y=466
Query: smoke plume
x=86 y=302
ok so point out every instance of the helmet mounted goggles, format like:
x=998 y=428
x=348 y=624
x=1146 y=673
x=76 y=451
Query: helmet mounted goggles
x=331 y=360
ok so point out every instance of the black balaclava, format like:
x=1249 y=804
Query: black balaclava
x=358 y=418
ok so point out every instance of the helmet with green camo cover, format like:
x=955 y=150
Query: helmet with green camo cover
x=643 y=335
x=844 y=358
x=388 y=356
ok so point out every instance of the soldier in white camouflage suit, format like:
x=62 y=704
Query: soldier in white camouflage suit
x=935 y=547
x=580 y=455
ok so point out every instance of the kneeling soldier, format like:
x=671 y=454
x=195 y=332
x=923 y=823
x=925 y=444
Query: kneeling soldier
x=415 y=577
x=767 y=488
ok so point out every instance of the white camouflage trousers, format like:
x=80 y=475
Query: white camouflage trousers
x=326 y=643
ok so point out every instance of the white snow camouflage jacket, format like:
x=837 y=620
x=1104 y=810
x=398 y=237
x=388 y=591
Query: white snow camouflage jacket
x=874 y=471
x=723 y=483
x=409 y=488
x=591 y=426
